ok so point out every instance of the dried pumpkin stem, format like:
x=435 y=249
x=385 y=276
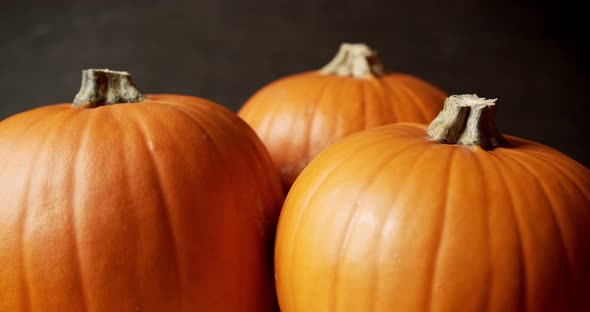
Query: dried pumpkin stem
x=467 y=120
x=354 y=60
x=105 y=87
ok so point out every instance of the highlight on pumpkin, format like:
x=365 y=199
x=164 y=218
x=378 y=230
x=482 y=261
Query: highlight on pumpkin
x=166 y=204
x=390 y=219
x=299 y=115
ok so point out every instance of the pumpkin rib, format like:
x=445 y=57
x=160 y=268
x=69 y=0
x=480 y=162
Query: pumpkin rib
x=141 y=128
x=226 y=168
x=299 y=216
x=378 y=108
x=564 y=168
x=263 y=96
x=78 y=229
x=22 y=225
x=433 y=267
x=567 y=172
x=483 y=260
x=277 y=86
x=517 y=226
x=191 y=113
x=285 y=147
x=338 y=128
x=24 y=211
x=378 y=90
x=427 y=94
x=396 y=109
x=268 y=224
x=198 y=114
x=83 y=138
x=424 y=86
x=532 y=148
x=23 y=217
x=386 y=94
x=376 y=86
x=33 y=115
x=70 y=216
x=315 y=106
x=258 y=147
x=481 y=167
x=486 y=206
x=265 y=132
x=547 y=196
x=419 y=110
x=124 y=135
x=21 y=229
x=375 y=277
x=190 y=118
x=417 y=101
x=386 y=160
x=374 y=274
x=199 y=111
x=417 y=160
x=365 y=96
x=22 y=132
x=326 y=173
x=271 y=112
x=363 y=105
x=313 y=192
x=414 y=107
x=375 y=270
x=395 y=95
x=404 y=109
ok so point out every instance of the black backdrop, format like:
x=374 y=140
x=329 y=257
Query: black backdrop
x=529 y=54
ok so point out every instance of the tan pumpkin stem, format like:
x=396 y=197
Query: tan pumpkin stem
x=105 y=87
x=354 y=60
x=467 y=120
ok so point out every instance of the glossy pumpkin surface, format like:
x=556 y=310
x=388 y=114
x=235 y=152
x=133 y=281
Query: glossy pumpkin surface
x=389 y=220
x=298 y=116
x=168 y=204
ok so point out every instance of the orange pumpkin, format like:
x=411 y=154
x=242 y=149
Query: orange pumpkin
x=298 y=116
x=168 y=203
x=454 y=217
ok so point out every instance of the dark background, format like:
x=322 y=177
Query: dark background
x=529 y=54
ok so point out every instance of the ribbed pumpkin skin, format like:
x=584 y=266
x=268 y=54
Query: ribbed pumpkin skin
x=169 y=204
x=387 y=220
x=298 y=116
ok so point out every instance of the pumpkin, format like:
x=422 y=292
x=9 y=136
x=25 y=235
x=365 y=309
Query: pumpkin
x=450 y=217
x=299 y=115
x=156 y=202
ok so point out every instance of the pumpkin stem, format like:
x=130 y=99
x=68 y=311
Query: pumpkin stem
x=354 y=60
x=105 y=87
x=467 y=120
